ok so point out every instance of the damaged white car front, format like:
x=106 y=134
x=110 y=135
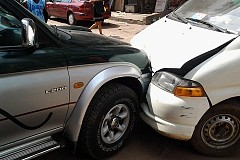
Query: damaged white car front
x=172 y=108
x=195 y=89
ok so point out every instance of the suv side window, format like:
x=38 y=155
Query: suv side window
x=10 y=29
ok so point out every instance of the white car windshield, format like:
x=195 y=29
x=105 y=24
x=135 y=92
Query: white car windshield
x=220 y=13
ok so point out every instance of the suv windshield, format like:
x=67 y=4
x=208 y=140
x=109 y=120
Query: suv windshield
x=221 y=13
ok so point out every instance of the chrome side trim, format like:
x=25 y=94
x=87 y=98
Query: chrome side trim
x=31 y=149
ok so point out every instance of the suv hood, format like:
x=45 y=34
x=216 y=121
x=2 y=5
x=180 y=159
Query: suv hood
x=170 y=44
x=89 y=48
x=84 y=38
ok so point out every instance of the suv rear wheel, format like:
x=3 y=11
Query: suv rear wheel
x=109 y=121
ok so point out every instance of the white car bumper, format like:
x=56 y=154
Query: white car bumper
x=175 y=117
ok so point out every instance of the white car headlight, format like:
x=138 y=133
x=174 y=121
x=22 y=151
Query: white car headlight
x=177 y=85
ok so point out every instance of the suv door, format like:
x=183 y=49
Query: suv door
x=34 y=85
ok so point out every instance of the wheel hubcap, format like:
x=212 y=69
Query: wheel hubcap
x=115 y=123
x=71 y=19
x=221 y=131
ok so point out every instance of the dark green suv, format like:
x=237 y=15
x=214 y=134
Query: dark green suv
x=65 y=85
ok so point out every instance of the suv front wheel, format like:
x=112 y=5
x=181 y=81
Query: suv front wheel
x=109 y=121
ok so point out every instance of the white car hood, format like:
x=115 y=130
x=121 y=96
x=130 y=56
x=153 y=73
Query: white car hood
x=169 y=44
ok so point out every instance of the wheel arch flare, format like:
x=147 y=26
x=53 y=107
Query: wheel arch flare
x=74 y=123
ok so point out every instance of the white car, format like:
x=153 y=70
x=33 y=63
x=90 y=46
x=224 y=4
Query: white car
x=195 y=90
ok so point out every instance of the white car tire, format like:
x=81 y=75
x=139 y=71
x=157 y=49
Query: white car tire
x=218 y=131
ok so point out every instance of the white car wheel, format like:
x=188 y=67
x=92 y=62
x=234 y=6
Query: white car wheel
x=218 y=132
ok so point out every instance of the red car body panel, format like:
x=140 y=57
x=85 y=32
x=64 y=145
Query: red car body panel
x=81 y=9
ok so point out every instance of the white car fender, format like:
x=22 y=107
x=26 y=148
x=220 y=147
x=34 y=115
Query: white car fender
x=219 y=75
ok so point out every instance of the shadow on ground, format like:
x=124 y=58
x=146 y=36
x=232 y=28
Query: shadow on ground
x=145 y=144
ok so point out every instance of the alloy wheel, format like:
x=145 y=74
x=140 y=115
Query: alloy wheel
x=115 y=123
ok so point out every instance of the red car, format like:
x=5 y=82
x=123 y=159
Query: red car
x=73 y=10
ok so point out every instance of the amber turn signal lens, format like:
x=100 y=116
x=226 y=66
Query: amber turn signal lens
x=78 y=85
x=189 y=91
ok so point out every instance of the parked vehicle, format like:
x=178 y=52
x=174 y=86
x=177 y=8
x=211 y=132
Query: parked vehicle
x=194 y=93
x=65 y=87
x=74 y=10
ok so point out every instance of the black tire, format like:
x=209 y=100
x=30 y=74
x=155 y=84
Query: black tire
x=217 y=133
x=109 y=120
x=71 y=19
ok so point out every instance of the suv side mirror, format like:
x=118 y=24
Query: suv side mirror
x=29 y=33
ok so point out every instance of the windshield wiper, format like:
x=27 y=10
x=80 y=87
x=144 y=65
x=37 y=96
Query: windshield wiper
x=179 y=18
x=217 y=28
